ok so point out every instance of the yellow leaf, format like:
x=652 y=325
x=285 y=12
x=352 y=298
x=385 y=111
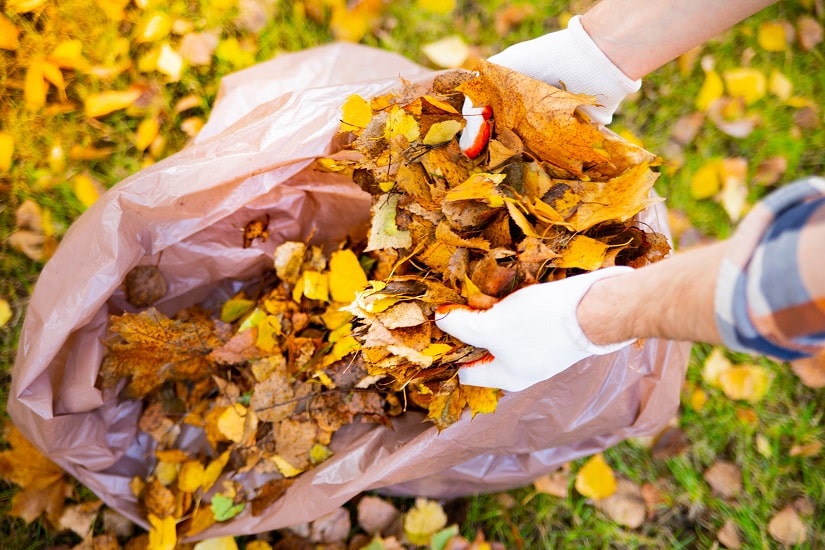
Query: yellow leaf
x=258 y=545
x=595 y=479
x=356 y=113
x=448 y=53
x=146 y=132
x=436 y=350
x=8 y=34
x=170 y=62
x=711 y=90
x=114 y=9
x=162 y=535
x=5 y=312
x=442 y=132
x=779 y=85
x=166 y=472
x=154 y=28
x=268 y=328
x=384 y=231
x=423 y=520
x=352 y=24
x=481 y=400
x=698 y=399
x=86 y=189
x=479 y=186
x=319 y=453
x=316 y=285
x=582 y=252
x=190 y=477
x=748 y=83
x=399 y=123
x=6 y=151
x=51 y=73
x=346 y=277
x=707 y=180
x=771 y=36
x=15 y=7
x=715 y=364
x=103 y=103
x=232 y=421
x=231 y=51
x=442 y=7
x=746 y=382
x=69 y=55
x=443 y=105
x=219 y=543
x=214 y=469
x=35 y=87
x=287 y=470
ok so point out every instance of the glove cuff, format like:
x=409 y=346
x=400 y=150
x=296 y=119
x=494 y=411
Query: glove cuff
x=580 y=287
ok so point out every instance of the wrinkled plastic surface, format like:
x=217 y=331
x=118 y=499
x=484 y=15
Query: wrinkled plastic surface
x=253 y=158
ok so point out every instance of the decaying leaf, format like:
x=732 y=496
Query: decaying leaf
x=724 y=478
x=626 y=506
x=787 y=527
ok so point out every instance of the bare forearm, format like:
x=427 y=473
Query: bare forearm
x=671 y=299
x=640 y=36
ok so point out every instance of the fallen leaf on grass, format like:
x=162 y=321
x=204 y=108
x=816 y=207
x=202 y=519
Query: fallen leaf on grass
x=331 y=528
x=808 y=449
x=447 y=53
x=769 y=171
x=79 y=517
x=376 y=515
x=671 y=442
x=746 y=382
x=5 y=312
x=772 y=37
x=809 y=32
x=787 y=527
x=6 y=151
x=595 y=479
x=424 y=520
x=556 y=483
x=724 y=478
x=626 y=506
x=728 y=535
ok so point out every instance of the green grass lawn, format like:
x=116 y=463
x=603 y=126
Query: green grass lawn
x=54 y=144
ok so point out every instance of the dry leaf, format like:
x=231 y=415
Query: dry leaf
x=715 y=364
x=8 y=34
x=103 y=103
x=671 y=442
x=769 y=171
x=712 y=90
x=809 y=32
x=79 y=517
x=808 y=449
x=510 y=16
x=724 y=478
x=331 y=528
x=197 y=49
x=86 y=189
x=376 y=515
x=217 y=543
x=6 y=151
x=787 y=528
x=746 y=382
x=771 y=36
x=447 y=53
x=626 y=506
x=728 y=535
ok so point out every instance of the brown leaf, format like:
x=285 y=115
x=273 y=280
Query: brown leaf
x=150 y=348
x=376 y=515
x=79 y=517
x=144 y=285
x=671 y=442
x=728 y=535
x=653 y=498
x=626 y=506
x=685 y=128
x=724 y=478
x=159 y=500
x=770 y=170
x=331 y=528
x=809 y=32
x=270 y=492
x=556 y=484
x=787 y=528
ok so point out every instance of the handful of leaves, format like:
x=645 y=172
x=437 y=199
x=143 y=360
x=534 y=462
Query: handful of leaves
x=335 y=337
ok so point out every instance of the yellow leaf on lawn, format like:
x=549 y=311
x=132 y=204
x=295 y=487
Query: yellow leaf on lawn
x=582 y=252
x=423 y=520
x=103 y=103
x=346 y=276
x=707 y=180
x=746 y=382
x=52 y=74
x=771 y=36
x=715 y=364
x=746 y=82
x=8 y=34
x=442 y=132
x=779 y=85
x=15 y=7
x=114 y=9
x=316 y=285
x=69 y=55
x=146 y=132
x=442 y=7
x=711 y=90
x=5 y=312
x=351 y=24
x=595 y=479
x=162 y=535
x=35 y=86
x=447 y=53
x=234 y=53
x=154 y=28
x=481 y=400
x=356 y=113
x=6 y=151
x=86 y=189
x=169 y=62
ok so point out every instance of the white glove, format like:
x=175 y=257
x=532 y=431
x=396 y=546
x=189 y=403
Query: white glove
x=532 y=334
x=570 y=59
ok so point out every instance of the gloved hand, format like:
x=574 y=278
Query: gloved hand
x=532 y=334
x=570 y=59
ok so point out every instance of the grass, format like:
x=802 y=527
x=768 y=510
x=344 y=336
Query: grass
x=757 y=437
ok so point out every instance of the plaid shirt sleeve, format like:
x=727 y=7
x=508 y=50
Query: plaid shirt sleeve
x=770 y=293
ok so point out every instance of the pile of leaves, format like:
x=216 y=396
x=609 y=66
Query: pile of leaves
x=328 y=339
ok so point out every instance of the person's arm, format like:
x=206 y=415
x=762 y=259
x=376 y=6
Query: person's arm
x=640 y=36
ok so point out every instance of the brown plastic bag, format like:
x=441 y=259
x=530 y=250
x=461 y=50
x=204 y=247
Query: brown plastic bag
x=253 y=158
